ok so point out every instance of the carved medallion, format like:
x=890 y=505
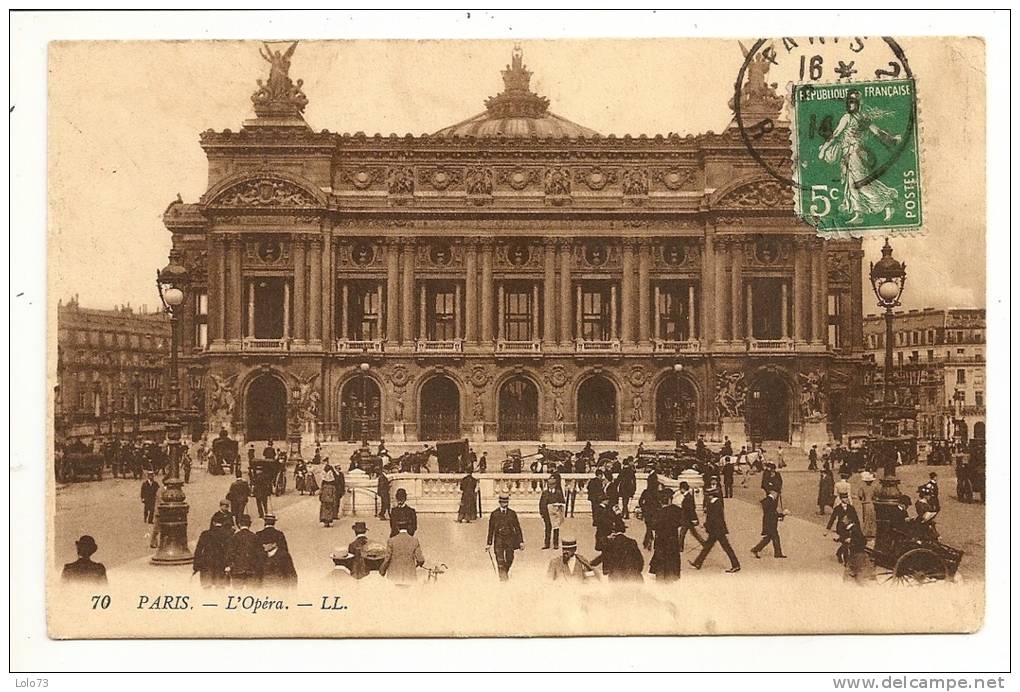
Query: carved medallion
x=637 y=376
x=767 y=251
x=399 y=376
x=674 y=254
x=480 y=376
x=270 y=251
x=596 y=254
x=362 y=253
x=674 y=178
x=440 y=254
x=518 y=254
x=440 y=178
x=518 y=178
x=362 y=178
x=558 y=376
x=596 y=178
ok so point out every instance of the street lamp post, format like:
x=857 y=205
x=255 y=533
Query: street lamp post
x=364 y=368
x=677 y=406
x=888 y=277
x=136 y=386
x=172 y=510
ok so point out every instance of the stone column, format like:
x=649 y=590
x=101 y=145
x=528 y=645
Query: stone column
x=690 y=311
x=329 y=289
x=549 y=295
x=392 y=306
x=471 y=293
x=627 y=297
x=315 y=293
x=500 y=315
x=736 y=276
x=721 y=292
x=749 y=302
x=286 y=309
x=657 y=325
x=251 y=308
x=236 y=289
x=644 y=284
x=708 y=296
x=344 y=312
x=817 y=299
x=217 y=299
x=613 y=304
x=300 y=294
x=578 y=325
x=458 y=312
x=422 y=309
x=785 y=310
x=534 y=312
x=564 y=248
x=407 y=290
x=486 y=311
x=823 y=280
x=798 y=290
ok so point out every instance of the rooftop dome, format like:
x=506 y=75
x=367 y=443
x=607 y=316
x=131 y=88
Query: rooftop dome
x=517 y=112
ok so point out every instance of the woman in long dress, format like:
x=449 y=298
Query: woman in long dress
x=847 y=147
x=327 y=496
x=866 y=496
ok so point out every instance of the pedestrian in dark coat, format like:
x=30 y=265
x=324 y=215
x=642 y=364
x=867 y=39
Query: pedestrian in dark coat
x=770 y=516
x=844 y=516
x=813 y=458
x=245 y=556
x=690 y=515
x=272 y=535
x=605 y=523
x=826 y=490
x=665 y=562
x=621 y=559
x=715 y=525
x=728 y=470
x=383 y=490
x=222 y=515
x=504 y=536
x=150 y=490
x=467 y=511
x=551 y=508
x=263 y=488
x=211 y=554
x=359 y=566
x=649 y=502
x=627 y=481
x=596 y=491
x=278 y=569
x=403 y=513
x=84 y=570
x=238 y=495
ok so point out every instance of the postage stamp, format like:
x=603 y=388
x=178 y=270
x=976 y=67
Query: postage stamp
x=856 y=156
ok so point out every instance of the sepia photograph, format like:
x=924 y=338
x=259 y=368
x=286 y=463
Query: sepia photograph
x=359 y=338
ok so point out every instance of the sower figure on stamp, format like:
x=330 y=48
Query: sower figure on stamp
x=505 y=536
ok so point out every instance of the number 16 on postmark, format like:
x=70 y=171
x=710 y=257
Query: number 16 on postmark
x=856 y=156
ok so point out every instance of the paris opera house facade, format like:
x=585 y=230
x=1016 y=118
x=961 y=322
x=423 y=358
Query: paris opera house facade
x=515 y=276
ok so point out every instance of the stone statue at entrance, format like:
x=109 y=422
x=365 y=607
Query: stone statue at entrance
x=558 y=408
x=813 y=403
x=278 y=95
x=221 y=399
x=638 y=414
x=730 y=393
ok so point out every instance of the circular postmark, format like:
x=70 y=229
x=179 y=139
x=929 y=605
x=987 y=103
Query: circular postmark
x=808 y=61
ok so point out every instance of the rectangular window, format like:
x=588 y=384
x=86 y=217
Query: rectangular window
x=931 y=355
x=264 y=310
x=899 y=358
x=518 y=312
x=595 y=312
x=833 y=320
x=441 y=313
x=961 y=376
x=673 y=317
x=364 y=318
x=979 y=399
x=914 y=356
x=201 y=336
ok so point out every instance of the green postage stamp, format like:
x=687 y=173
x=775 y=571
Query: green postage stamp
x=856 y=157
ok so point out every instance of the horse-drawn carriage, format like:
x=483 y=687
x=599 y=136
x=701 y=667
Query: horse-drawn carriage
x=80 y=465
x=224 y=454
x=914 y=559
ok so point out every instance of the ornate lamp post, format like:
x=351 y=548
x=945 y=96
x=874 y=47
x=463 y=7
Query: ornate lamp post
x=97 y=407
x=678 y=414
x=363 y=413
x=888 y=277
x=172 y=510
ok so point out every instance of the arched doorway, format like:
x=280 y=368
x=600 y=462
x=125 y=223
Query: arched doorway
x=518 y=410
x=360 y=405
x=440 y=410
x=676 y=410
x=768 y=409
x=266 y=409
x=596 y=409
x=979 y=430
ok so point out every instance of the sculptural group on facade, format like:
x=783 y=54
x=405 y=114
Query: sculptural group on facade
x=813 y=401
x=730 y=393
x=279 y=90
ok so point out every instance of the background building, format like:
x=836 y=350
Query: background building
x=515 y=276
x=111 y=368
x=939 y=361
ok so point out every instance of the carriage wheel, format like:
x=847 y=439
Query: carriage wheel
x=919 y=566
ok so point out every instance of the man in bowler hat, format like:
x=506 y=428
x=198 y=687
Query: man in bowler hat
x=505 y=536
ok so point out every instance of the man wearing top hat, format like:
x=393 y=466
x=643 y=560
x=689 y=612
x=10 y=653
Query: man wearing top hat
x=403 y=512
x=84 y=570
x=359 y=567
x=569 y=566
x=770 y=516
x=715 y=525
x=271 y=534
x=844 y=516
x=150 y=489
x=505 y=535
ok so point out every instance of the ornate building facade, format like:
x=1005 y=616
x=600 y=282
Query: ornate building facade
x=512 y=277
x=111 y=369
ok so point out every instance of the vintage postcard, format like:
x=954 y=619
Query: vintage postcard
x=452 y=338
